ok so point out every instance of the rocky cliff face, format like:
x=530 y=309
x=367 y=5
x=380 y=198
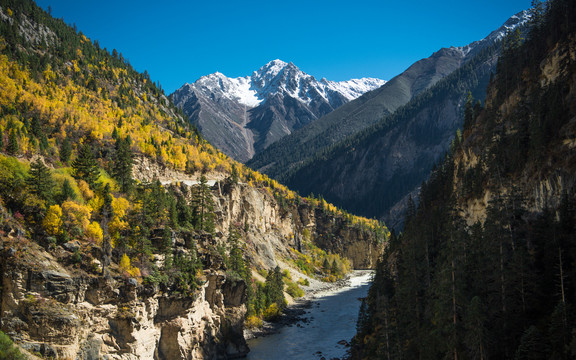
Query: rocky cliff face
x=62 y=308
x=62 y=312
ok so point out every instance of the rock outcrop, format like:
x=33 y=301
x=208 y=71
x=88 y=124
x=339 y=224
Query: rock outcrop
x=55 y=312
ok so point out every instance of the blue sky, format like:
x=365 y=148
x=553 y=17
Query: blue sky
x=179 y=41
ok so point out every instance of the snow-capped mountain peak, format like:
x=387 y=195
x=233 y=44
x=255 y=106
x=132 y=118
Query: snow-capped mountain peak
x=244 y=115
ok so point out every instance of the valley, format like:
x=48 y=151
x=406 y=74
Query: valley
x=277 y=216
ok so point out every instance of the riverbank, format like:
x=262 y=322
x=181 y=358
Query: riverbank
x=295 y=313
x=318 y=326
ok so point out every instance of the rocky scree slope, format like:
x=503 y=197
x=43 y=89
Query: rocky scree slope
x=242 y=116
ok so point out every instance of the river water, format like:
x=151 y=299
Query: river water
x=331 y=319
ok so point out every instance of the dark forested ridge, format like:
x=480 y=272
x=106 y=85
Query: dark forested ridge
x=485 y=268
x=373 y=170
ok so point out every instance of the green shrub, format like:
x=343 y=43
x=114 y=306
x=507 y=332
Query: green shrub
x=294 y=290
x=7 y=349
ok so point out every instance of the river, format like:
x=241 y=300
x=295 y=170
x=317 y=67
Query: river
x=331 y=319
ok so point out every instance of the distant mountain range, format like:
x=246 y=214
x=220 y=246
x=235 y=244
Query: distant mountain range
x=371 y=153
x=243 y=116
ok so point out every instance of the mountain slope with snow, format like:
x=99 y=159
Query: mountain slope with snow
x=368 y=155
x=242 y=116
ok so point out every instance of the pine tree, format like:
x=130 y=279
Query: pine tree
x=67 y=192
x=40 y=181
x=107 y=211
x=275 y=288
x=12 y=148
x=234 y=175
x=532 y=345
x=65 y=150
x=122 y=168
x=183 y=211
x=36 y=127
x=204 y=207
x=468 y=111
x=85 y=167
x=236 y=260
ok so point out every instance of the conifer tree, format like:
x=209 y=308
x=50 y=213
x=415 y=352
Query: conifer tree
x=67 y=192
x=12 y=148
x=65 y=150
x=237 y=263
x=184 y=213
x=123 y=161
x=40 y=181
x=85 y=167
x=275 y=288
x=468 y=111
x=204 y=207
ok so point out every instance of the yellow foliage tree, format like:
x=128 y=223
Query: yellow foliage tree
x=75 y=215
x=115 y=227
x=119 y=206
x=94 y=233
x=52 y=222
x=126 y=266
x=87 y=194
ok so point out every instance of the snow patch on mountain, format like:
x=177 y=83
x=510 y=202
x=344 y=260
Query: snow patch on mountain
x=520 y=19
x=279 y=77
x=219 y=85
x=354 y=88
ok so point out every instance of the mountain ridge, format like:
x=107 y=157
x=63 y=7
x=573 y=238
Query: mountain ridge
x=242 y=116
x=397 y=163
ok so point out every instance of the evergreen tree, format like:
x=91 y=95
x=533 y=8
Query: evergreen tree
x=65 y=150
x=183 y=211
x=468 y=111
x=67 y=192
x=107 y=210
x=2 y=142
x=236 y=259
x=275 y=288
x=12 y=148
x=40 y=181
x=122 y=167
x=234 y=175
x=85 y=167
x=531 y=346
x=36 y=127
x=203 y=207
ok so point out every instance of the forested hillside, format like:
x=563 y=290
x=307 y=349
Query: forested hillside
x=485 y=266
x=376 y=169
x=99 y=256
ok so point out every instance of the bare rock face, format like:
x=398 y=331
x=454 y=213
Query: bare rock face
x=273 y=229
x=51 y=311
